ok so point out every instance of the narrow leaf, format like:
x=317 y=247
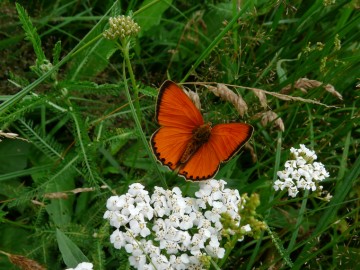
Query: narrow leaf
x=70 y=252
x=31 y=33
x=56 y=52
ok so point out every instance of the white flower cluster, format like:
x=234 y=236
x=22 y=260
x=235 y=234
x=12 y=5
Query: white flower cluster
x=121 y=27
x=301 y=172
x=82 y=266
x=169 y=231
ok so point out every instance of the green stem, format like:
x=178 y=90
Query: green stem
x=256 y=251
x=126 y=47
x=306 y=195
x=232 y=244
x=344 y=158
x=135 y=115
x=298 y=222
x=235 y=35
x=279 y=246
x=329 y=217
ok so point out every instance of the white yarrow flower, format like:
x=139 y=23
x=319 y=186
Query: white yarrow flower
x=301 y=172
x=117 y=239
x=183 y=229
x=137 y=261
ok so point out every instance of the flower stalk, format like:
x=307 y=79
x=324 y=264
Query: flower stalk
x=124 y=28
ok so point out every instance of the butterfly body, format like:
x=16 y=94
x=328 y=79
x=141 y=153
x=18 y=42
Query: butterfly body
x=200 y=136
x=185 y=144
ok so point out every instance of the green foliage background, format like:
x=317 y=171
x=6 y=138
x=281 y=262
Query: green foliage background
x=62 y=89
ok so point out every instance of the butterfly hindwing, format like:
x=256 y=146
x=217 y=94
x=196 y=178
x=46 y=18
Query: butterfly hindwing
x=204 y=164
x=168 y=144
x=225 y=141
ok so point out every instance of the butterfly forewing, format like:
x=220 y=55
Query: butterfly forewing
x=175 y=109
x=178 y=117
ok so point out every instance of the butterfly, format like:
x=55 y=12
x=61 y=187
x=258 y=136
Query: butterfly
x=186 y=144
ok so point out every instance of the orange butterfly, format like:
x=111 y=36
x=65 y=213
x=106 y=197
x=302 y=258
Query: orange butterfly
x=187 y=145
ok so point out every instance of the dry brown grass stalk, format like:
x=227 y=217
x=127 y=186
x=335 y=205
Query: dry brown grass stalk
x=38 y=203
x=23 y=262
x=194 y=97
x=251 y=150
x=10 y=135
x=222 y=91
x=80 y=190
x=65 y=194
x=270 y=117
x=267 y=117
x=262 y=97
x=304 y=84
x=332 y=91
x=274 y=94
x=56 y=195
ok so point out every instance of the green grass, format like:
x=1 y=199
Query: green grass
x=88 y=115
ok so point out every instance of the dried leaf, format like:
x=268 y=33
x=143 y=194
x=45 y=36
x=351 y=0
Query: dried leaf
x=304 y=83
x=56 y=195
x=65 y=194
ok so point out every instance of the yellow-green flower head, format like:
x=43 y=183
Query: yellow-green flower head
x=121 y=27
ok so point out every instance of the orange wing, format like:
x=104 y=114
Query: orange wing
x=175 y=109
x=177 y=116
x=225 y=141
x=169 y=143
